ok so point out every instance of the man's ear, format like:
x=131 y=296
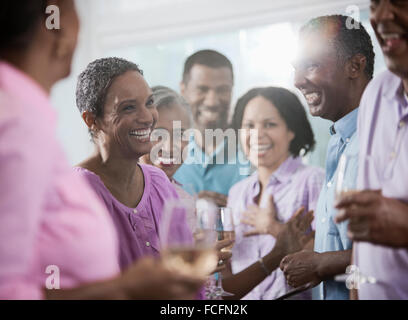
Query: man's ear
x=356 y=66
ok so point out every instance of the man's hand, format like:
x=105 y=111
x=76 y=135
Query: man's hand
x=264 y=220
x=301 y=268
x=375 y=218
x=219 y=199
x=151 y=279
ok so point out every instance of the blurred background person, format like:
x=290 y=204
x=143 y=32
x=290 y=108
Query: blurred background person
x=334 y=65
x=274 y=132
x=175 y=119
x=378 y=215
x=44 y=219
x=207 y=87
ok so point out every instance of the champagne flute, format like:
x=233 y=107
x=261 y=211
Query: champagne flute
x=369 y=176
x=347 y=167
x=226 y=230
x=179 y=251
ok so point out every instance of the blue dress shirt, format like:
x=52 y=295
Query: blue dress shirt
x=217 y=172
x=329 y=235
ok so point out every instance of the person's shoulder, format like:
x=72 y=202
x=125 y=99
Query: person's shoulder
x=311 y=174
x=91 y=177
x=21 y=133
x=12 y=116
x=384 y=78
x=154 y=173
x=243 y=185
x=311 y=170
x=157 y=179
x=382 y=81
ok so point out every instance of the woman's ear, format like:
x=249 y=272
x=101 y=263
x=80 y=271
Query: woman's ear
x=182 y=88
x=63 y=48
x=90 y=120
x=291 y=135
x=66 y=36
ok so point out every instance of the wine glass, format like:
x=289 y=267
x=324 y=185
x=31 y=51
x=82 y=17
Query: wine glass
x=179 y=251
x=347 y=167
x=226 y=230
x=369 y=176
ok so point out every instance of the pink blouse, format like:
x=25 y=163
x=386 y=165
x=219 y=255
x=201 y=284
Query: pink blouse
x=53 y=228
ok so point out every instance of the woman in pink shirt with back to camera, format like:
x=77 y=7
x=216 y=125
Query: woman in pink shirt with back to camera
x=49 y=217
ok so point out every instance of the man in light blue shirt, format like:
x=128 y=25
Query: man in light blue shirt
x=201 y=171
x=335 y=64
x=207 y=87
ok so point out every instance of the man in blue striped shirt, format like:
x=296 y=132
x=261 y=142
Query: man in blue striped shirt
x=335 y=64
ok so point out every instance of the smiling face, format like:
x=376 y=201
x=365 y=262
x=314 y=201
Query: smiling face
x=171 y=147
x=129 y=116
x=208 y=92
x=389 y=20
x=320 y=76
x=268 y=145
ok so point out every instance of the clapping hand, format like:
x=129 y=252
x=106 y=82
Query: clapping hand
x=263 y=220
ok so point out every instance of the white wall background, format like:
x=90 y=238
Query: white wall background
x=259 y=36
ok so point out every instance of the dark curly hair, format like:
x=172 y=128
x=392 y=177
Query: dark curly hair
x=95 y=80
x=18 y=21
x=291 y=110
x=351 y=38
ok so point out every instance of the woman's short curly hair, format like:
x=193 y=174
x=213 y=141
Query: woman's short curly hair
x=290 y=109
x=94 y=82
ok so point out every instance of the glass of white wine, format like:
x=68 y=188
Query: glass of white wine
x=180 y=251
x=351 y=168
x=346 y=183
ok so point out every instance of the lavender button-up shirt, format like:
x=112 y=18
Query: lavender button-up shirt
x=138 y=228
x=52 y=225
x=293 y=185
x=383 y=134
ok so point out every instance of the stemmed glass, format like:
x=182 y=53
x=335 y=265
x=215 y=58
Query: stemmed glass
x=180 y=252
x=348 y=166
x=369 y=175
x=209 y=218
x=226 y=230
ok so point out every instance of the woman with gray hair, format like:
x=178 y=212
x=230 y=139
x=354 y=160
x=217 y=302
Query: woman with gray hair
x=175 y=120
x=118 y=107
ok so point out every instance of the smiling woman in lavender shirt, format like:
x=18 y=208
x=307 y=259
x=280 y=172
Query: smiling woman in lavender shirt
x=118 y=107
x=275 y=132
